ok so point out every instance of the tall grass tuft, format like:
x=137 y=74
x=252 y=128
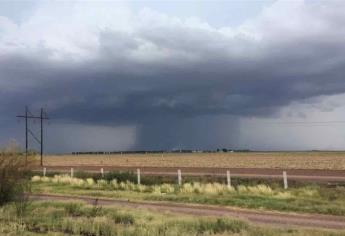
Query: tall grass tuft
x=186 y=188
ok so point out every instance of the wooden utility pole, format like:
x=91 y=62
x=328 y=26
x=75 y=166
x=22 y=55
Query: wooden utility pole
x=26 y=135
x=41 y=118
x=27 y=116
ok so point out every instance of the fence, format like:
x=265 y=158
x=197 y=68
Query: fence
x=227 y=174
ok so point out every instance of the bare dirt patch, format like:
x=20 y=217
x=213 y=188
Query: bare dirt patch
x=270 y=160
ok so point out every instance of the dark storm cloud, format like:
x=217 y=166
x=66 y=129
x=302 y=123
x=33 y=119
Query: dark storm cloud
x=198 y=73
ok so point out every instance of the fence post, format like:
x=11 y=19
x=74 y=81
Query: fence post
x=285 y=180
x=228 y=177
x=72 y=172
x=138 y=176
x=44 y=171
x=102 y=172
x=179 y=177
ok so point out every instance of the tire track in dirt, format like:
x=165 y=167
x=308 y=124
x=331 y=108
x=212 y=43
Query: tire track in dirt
x=254 y=216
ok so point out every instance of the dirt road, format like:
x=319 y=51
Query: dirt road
x=258 y=217
x=293 y=174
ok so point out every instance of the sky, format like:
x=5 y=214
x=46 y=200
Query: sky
x=153 y=75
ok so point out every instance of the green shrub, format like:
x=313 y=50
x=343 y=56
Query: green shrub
x=120 y=176
x=13 y=176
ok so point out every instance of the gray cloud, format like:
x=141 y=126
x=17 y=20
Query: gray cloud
x=175 y=81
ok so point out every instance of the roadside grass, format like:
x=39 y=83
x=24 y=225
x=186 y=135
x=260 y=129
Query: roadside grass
x=310 y=199
x=76 y=218
x=123 y=176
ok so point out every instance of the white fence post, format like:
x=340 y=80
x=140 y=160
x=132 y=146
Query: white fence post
x=228 y=177
x=179 y=177
x=138 y=175
x=102 y=172
x=285 y=180
x=72 y=172
x=44 y=171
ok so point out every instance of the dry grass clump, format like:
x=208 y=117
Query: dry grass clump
x=45 y=179
x=260 y=189
x=36 y=178
x=167 y=188
x=209 y=188
x=242 y=189
x=90 y=182
x=186 y=188
x=61 y=179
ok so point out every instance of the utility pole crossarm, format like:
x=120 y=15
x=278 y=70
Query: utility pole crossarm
x=33 y=117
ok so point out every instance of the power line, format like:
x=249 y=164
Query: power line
x=43 y=116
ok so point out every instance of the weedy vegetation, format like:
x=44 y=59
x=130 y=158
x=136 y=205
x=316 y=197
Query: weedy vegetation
x=14 y=179
x=76 y=218
x=310 y=199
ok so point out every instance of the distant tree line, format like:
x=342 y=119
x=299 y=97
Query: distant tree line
x=131 y=152
x=160 y=151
